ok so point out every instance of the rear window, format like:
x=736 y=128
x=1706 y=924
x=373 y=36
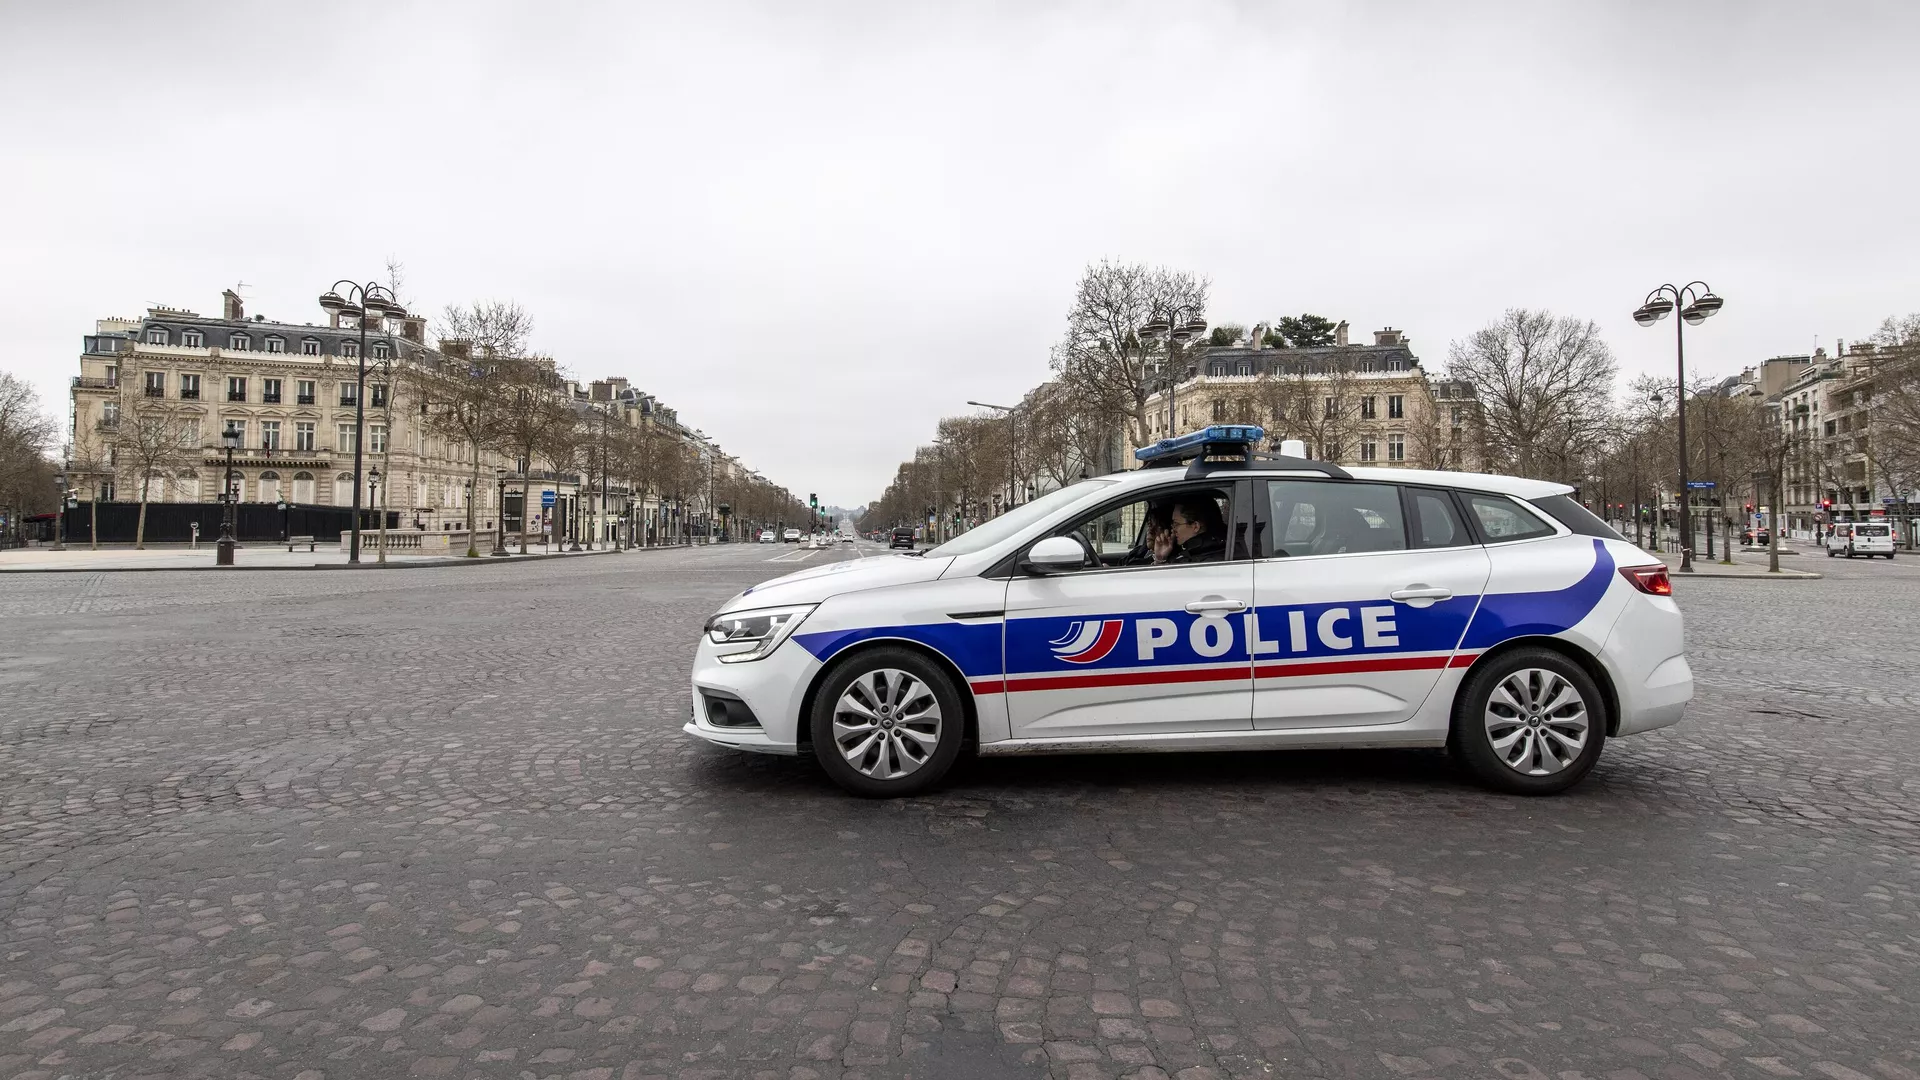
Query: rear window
x=1576 y=518
x=1870 y=530
x=1502 y=519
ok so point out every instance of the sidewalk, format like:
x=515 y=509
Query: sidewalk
x=263 y=556
x=1740 y=568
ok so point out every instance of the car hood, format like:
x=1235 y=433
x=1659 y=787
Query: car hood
x=816 y=583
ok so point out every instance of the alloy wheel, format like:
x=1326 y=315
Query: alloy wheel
x=887 y=723
x=1537 y=722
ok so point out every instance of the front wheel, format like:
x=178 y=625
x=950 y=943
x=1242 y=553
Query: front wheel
x=887 y=722
x=1530 y=722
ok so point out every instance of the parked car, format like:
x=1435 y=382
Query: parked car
x=902 y=538
x=767 y=537
x=1867 y=538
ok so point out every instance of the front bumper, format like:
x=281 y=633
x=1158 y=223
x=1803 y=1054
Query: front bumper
x=771 y=689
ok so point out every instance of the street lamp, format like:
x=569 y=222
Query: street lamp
x=1013 y=419
x=286 y=517
x=1177 y=327
x=373 y=500
x=500 y=510
x=223 y=551
x=359 y=302
x=1697 y=303
x=60 y=513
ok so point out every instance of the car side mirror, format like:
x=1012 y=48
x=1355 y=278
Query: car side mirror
x=1055 y=554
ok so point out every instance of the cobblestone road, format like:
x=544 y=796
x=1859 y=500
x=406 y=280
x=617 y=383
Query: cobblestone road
x=442 y=823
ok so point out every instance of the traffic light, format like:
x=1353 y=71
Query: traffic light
x=812 y=499
x=1749 y=508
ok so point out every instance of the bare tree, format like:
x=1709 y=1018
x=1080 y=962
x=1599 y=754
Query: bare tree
x=27 y=436
x=531 y=405
x=154 y=435
x=490 y=327
x=463 y=401
x=91 y=458
x=1102 y=354
x=1544 y=384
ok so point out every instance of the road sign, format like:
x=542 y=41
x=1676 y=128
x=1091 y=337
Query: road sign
x=548 y=498
x=1696 y=484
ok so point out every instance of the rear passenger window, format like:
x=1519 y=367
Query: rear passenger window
x=1318 y=517
x=1501 y=519
x=1436 y=524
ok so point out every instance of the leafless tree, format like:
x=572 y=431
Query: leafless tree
x=91 y=461
x=1102 y=354
x=154 y=436
x=1544 y=384
x=490 y=327
x=532 y=405
x=27 y=437
x=463 y=401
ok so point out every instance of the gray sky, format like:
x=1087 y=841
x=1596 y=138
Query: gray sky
x=815 y=228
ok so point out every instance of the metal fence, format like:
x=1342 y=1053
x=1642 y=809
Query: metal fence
x=172 y=523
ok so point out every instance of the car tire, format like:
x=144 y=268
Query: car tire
x=908 y=702
x=1507 y=743
x=1829 y=553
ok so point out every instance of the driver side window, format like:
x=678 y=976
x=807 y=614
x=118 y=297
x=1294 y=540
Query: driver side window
x=1186 y=525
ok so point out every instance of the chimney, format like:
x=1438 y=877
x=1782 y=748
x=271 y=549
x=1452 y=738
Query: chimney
x=1387 y=336
x=231 y=308
x=413 y=328
x=1257 y=336
x=1340 y=334
x=458 y=350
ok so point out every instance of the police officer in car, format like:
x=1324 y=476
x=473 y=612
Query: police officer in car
x=1199 y=532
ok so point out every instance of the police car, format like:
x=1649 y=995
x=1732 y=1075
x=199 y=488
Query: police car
x=1215 y=599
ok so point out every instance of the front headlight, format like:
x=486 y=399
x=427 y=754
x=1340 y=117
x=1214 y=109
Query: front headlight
x=765 y=629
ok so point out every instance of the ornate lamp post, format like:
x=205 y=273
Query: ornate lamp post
x=373 y=500
x=500 y=506
x=1697 y=303
x=223 y=552
x=286 y=517
x=1013 y=430
x=360 y=302
x=1181 y=325
x=60 y=514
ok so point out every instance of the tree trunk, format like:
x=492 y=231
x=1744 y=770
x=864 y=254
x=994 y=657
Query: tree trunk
x=140 y=527
x=93 y=521
x=473 y=488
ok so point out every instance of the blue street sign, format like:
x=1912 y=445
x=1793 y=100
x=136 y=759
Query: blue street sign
x=1701 y=484
x=548 y=498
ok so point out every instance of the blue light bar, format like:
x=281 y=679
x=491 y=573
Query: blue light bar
x=1204 y=441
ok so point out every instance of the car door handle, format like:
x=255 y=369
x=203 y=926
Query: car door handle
x=1216 y=606
x=1419 y=595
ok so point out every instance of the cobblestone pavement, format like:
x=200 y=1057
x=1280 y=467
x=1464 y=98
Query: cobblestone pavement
x=443 y=823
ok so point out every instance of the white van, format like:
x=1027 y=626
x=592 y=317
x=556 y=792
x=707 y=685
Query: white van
x=1868 y=538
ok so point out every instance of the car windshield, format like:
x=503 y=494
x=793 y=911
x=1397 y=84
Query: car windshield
x=991 y=532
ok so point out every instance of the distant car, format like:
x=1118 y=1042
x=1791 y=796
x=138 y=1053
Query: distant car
x=1867 y=538
x=902 y=538
x=792 y=536
x=846 y=538
x=767 y=537
x=1755 y=537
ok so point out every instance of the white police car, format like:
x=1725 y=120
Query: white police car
x=1295 y=604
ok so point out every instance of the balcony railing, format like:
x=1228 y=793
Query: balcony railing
x=304 y=399
x=189 y=395
x=156 y=391
x=269 y=399
x=346 y=401
x=237 y=395
x=96 y=384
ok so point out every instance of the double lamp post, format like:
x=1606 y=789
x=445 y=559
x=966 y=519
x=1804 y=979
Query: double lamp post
x=1696 y=304
x=359 y=303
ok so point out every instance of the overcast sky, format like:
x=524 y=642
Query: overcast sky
x=814 y=228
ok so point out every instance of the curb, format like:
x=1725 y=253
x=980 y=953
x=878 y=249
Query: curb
x=410 y=564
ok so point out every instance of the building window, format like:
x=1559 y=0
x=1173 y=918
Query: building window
x=1459 y=411
x=1367 y=407
x=270 y=391
x=1396 y=364
x=303 y=487
x=189 y=387
x=1396 y=448
x=1396 y=407
x=269 y=486
x=1244 y=367
x=350 y=349
x=190 y=338
x=276 y=344
x=309 y=347
x=378 y=396
x=156 y=384
x=1367 y=365
x=109 y=414
x=190 y=432
x=380 y=350
x=343 y=489
x=304 y=392
x=156 y=335
x=303 y=442
x=269 y=434
x=345 y=443
x=239 y=343
x=377 y=438
x=236 y=388
x=113 y=375
x=1333 y=450
x=1369 y=450
x=1331 y=411
x=1219 y=410
x=349 y=393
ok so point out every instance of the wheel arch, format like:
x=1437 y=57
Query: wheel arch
x=803 y=731
x=1589 y=663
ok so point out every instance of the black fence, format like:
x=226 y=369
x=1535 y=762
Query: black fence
x=172 y=523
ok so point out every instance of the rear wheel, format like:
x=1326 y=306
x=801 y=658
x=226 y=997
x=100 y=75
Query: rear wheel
x=887 y=722
x=1531 y=722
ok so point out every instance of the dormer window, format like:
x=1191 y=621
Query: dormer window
x=309 y=347
x=1396 y=364
x=350 y=349
x=156 y=335
x=239 y=343
x=380 y=350
x=276 y=344
x=190 y=338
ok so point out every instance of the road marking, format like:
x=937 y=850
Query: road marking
x=796 y=556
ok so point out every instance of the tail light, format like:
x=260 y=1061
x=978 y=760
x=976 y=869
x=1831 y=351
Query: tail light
x=1651 y=580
